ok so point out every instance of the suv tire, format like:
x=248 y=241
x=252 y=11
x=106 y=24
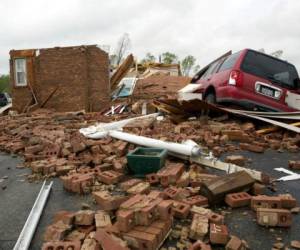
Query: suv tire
x=210 y=98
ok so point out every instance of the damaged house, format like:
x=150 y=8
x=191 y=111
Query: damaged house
x=60 y=78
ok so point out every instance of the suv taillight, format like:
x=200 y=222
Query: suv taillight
x=236 y=78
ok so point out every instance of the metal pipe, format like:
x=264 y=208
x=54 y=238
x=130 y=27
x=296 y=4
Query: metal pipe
x=29 y=228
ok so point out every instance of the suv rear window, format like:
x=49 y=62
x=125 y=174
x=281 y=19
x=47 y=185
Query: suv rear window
x=229 y=61
x=267 y=67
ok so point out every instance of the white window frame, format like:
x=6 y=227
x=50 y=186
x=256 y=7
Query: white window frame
x=17 y=83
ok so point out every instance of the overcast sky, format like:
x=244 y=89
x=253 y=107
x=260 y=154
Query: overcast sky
x=205 y=29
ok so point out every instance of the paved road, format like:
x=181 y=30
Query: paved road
x=18 y=197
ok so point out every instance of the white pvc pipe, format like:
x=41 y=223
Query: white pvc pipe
x=184 y=149
x=113 y=125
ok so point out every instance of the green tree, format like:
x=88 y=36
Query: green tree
x=196 y=68
x=169 y=58
x=4 y=83
x=149 y=58
x=187 y=64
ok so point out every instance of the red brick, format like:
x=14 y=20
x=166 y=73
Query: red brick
x=181 y=210
x=274 y=217
x=126 y=220
x=240 y=199
x=109 y=241
x=175 y=193
x=252 y=148
x=216 y=218
x=84 y=217
x=132 y=201
x=264 y=201
x=294 y=165
x=152 y=178
x=236 y=135
x=107 y=201
x=199 y=245
x=258 y=189
x=287 y=201
x=218 y=234
x=56 y=231
x=140 y=188
x=102 y=219
x=199 y=227
x=234 y=244
x=197 y=200
x=62 y=245
x=236 y=159
x=184 y=180
x=141 y=240
x=90 y=244
x=129 y=183
x=109 y=177
x=146 y=215
x=164 y=209
x=170 y=174
x=159 y=234
x=65 y=216
x=156 y=194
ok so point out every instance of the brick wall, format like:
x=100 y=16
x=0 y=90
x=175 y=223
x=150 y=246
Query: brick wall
x=80 y=75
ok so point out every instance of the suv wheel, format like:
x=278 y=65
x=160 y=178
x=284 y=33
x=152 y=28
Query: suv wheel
x=210 y=98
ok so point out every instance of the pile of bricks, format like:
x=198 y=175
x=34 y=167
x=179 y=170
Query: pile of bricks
x=138 y=213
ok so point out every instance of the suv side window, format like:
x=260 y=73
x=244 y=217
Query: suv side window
x=229 y=61
x=210 y=70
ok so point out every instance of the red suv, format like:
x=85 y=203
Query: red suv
x=251 y=79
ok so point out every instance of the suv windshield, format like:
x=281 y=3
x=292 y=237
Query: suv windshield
x=277 y=71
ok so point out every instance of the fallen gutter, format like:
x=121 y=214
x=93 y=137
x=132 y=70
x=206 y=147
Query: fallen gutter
x=29 y=228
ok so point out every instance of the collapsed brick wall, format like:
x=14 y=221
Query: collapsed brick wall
x=80 y=75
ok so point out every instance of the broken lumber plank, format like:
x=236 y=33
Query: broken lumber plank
x=274 y=128
x=230 y=168
x=215 y=190
x=121 y=72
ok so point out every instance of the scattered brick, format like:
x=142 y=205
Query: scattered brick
x=218 y=234
x=140 y=188
x=90 y=244
x=62 y=245
x=107 y=201
x=84 y=217
x=241 y=199
x=152 y=178
x=56 y=231
x=234 y=244
x=129 y=183
x=102 y=219
x=264 y=201
x=181 y=210
x=274 y=217
x=294 y=165
x=199 y=227
x=109 y=177
x=287 y=201
x=199 y=245
x=252 y=148
x=236 y=159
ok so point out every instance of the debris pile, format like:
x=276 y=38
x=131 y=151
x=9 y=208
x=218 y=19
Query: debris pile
x=179 y=205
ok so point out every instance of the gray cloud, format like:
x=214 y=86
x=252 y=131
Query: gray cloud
x=204 y=29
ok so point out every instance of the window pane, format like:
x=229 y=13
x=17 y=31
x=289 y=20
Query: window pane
x=230 y=61
x=264 y=66
x=20 y=72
